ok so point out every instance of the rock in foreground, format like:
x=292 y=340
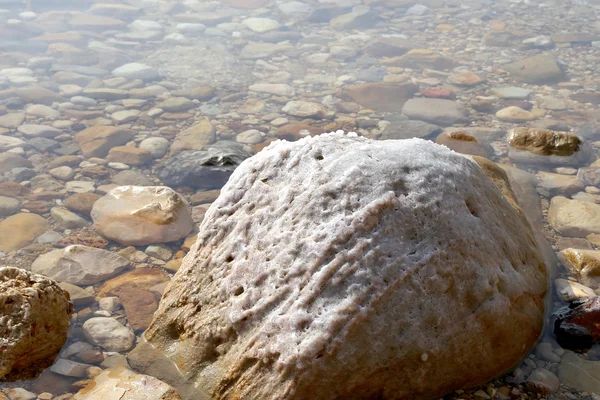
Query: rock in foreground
x=136 y=215
x=34 y=317
x=340 y=267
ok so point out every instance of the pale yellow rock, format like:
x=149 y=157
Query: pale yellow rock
x=514 y=114
x=193 y=138
x=141 y=215
x=19 y=230
x=124 y=384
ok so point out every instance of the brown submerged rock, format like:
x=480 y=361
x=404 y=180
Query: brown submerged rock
x=34 y=318
x=544 y=142
x=384 y=97
x=463 y=143
x=323 y=281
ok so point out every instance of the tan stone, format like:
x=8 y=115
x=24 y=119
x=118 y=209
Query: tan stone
x=124 y=384
x=385 y=97
x=193 y=138
x=574 y=218
x=19 y=230
x=140 y=278
x=81 y=202
x=129 y=155
x=34 y=318
x=98 y=140
x=420 y=59
x=514 y=114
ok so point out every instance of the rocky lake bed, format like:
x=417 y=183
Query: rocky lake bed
x=121 y=122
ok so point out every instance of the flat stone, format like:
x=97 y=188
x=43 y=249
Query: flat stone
x=579 y=374
x=79 y=265
x=129 y=155
x=67 y=219
x=63 y=173
x=8 y=142
x=557 y=184
x=420 y=59
x=201 y=93
x=125 y=116
x=277 y=89
x=382 y=97
x=512 y=93
x=193 y=138
x=98 y=140
x=465 y=78
x=20 y=230
x=106 y=94
x=139 y=278
x=79 y=296
x=95 y=22
x=261 y=25
x=574 y=218
x=177 y=104
x=391 y=46
x=9 y=206
x=32 y=130
x=69 y=368
x=39 y=95
x=544 y=379
x=131 y=177
x=139 y=306
x=122 y=383
x=538 y=69
x=408 y=129
x=304 y=109
x=435 y=111
x=11 y=120
x=514 y=114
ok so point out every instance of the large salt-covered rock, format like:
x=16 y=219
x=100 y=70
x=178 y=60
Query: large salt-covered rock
x=140 y=215
x=340 y=267
x=34 y=318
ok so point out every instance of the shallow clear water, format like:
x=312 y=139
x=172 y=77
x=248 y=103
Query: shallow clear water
x=234 y=70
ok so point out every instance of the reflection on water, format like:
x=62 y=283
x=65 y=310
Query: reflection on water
x=97 y=94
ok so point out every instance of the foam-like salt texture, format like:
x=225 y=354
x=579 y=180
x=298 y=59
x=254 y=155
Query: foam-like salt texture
x=342 y=267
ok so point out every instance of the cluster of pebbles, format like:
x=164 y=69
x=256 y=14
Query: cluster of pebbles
x=98 y=95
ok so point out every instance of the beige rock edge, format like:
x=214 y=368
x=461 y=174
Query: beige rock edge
x=384 y=278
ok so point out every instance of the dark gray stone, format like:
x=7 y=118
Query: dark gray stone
x=206 y=169
x=409 y=129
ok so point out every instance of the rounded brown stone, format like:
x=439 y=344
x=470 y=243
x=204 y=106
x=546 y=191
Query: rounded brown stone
x=81 y=202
